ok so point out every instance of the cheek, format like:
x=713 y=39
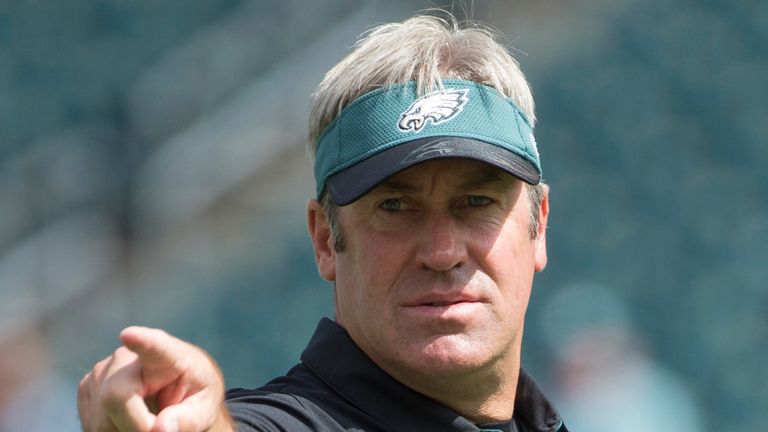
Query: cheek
x=367 y=268
x=510 y=261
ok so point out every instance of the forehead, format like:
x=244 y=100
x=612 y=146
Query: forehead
x=460 y=174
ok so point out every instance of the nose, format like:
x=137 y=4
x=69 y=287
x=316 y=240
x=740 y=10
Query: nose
x=442 y=246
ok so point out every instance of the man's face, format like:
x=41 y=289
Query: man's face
x=437 y=270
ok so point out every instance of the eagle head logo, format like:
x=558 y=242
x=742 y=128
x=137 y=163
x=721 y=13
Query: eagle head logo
x=439 y=107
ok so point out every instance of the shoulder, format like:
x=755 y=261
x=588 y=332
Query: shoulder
x=262 y=410
x=285 y=403
x=298 y=401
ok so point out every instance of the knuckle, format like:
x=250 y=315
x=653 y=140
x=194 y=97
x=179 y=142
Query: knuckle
x=113 y=398
x=99 y=365
x=119 y=383
x=83 y=386
x=122 y=352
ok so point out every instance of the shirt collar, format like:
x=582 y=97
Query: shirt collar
x=336 y=359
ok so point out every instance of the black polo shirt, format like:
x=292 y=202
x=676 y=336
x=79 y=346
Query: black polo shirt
x=336 y=387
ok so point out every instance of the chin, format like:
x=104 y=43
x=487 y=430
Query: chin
x=452 y=354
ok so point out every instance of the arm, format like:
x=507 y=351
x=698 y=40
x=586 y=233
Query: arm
x=153 y=383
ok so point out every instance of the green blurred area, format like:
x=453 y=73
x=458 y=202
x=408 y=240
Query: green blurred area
x=152 y=171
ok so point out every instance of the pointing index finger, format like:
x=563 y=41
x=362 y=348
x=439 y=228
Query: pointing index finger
x=181 y=378
x=156 y=348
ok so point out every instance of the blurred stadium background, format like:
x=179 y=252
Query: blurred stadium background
x=152 y=171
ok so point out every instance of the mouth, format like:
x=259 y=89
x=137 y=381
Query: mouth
x=446 y=303
x=445 y=307
x=444 y=299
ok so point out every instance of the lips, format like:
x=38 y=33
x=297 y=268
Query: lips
x=443 y=299
x=445 y=309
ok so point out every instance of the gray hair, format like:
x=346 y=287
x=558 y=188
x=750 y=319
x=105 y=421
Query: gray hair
x=425 y=49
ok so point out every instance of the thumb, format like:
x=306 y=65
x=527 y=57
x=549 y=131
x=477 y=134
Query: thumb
x=168 y=422
x=191 y=415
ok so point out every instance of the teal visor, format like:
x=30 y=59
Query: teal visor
x=392 y=128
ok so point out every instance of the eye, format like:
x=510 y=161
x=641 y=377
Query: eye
x=478 y=201
x=392 y=204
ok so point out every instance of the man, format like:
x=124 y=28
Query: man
x=430 y=220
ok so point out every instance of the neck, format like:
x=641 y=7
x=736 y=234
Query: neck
x=483 y=397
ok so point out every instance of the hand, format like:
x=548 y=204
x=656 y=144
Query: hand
x=153 y=383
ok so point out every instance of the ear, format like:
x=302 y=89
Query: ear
x=541 y=235
x=322 y=240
